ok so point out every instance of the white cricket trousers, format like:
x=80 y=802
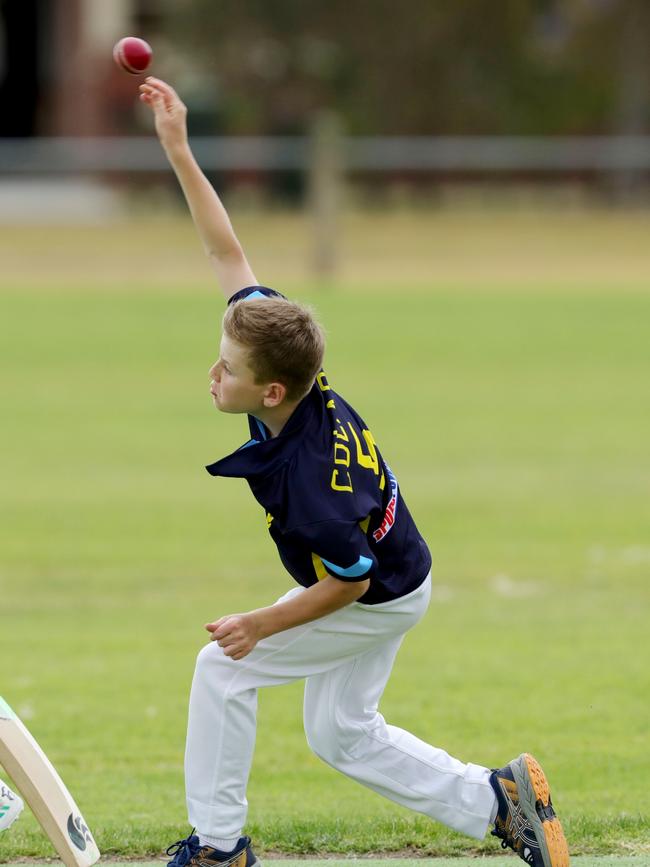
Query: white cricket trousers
x=346 y=658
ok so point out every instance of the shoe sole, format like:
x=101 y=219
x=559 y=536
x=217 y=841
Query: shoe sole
x=535 y=800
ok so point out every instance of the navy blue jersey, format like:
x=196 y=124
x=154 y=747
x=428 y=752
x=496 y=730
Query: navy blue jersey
x=333 y=506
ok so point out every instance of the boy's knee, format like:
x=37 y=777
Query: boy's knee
x=206 y=655
x=210 y=662
x=320 y=741
x=330 y=740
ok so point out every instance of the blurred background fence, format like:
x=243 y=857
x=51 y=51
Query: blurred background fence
x=463 y=154
x=522 y=85
x=327 y=106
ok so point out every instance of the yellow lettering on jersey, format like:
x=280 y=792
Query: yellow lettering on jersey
x=382 y=482
x=370 y=442
x=335 y=482
x=341 y=454
x=323 y=384
x=340 y=432
x=321 y=571
x=269 y=519
x=364 y=524
x=368 y=461
x=343 y=457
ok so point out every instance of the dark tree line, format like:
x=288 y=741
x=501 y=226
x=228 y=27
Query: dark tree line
x=420 y=66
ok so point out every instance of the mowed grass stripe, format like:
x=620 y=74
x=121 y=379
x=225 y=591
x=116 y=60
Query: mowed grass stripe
x=497 y=861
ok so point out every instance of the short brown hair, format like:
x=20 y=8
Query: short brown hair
x=285 y=341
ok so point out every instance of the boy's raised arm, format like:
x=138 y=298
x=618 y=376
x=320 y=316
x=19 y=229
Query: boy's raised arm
x=210 y=218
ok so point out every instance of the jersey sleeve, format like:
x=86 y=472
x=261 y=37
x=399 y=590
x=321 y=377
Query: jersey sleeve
x=339 y=549
x=254 y=292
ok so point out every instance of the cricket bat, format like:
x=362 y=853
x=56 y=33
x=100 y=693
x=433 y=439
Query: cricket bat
x=45 y=792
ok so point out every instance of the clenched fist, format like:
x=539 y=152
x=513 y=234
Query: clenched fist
x=236 y=633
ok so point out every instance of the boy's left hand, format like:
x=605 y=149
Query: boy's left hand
x=236 y=633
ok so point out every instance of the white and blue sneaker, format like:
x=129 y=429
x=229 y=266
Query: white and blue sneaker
x=11 y=806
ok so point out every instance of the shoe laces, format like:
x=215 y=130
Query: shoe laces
x=182 y=851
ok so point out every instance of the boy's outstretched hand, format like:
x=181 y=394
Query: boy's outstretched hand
x=169 y=111
x=236 y=633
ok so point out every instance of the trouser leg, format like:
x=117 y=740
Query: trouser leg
x=222 y=723
x=219 y=748
x=344 y=728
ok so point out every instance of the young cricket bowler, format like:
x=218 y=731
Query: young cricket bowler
x=343 y=531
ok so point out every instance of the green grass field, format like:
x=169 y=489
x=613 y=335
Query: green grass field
x=516 y=418
x=580 y=861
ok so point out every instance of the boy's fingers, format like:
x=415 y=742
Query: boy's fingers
x=158 y=103
x=216 y=623
x=150 y=93
x=159 y=83
x=165 y=89
x=223 y=629
x=232 y=647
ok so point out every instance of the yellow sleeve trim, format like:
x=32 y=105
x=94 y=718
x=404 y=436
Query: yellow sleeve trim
x=319 y=568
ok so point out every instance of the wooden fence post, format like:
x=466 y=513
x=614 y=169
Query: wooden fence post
x=325 y=192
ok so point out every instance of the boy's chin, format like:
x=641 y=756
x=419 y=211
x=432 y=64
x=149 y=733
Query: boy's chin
x=231 y=410
x=219 y=404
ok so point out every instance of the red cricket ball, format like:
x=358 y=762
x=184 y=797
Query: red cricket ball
x=132 y=54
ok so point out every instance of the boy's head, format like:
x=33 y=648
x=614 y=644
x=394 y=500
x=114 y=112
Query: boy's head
x=271 y=352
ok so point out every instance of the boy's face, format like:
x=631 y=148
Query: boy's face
x=233 y=387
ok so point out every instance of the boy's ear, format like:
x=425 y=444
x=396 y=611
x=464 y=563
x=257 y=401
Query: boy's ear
x=274 y=395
